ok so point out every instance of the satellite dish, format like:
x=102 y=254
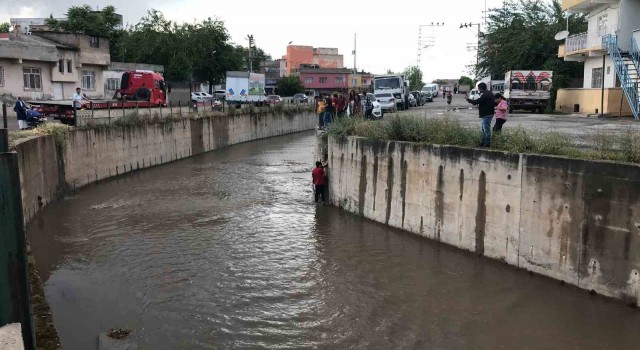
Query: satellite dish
x=561 y=35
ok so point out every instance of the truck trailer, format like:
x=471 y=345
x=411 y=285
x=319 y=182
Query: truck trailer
x=138 y=88
x=528 y=89
x=245 y=87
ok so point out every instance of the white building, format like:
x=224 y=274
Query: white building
x=601 y=91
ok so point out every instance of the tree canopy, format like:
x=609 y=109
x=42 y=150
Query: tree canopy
x=414 y=75
x=289 y=86
x=4 y=27
x=464 y=80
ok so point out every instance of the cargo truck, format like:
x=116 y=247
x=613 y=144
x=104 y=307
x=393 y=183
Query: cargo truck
x=396 y=84
x=528 y=89
x=245 y=87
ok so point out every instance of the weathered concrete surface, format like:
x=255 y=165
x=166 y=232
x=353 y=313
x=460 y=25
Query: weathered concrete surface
x=572 y=220
x=11 y=337
x=107 y=343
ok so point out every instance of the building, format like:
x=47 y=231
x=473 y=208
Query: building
x=50 y=65
x=271 y=71
x=112 y=75
x=324 y=80
x=27 y=25
x=609 y=22
x=298 y=56
x=360 y=81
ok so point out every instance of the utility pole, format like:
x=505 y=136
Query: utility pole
x=469 y=25
x=355 y=70
x=430 y=39
x=251 y=43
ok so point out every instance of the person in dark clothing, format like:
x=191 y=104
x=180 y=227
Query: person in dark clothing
x=486 y=109
x=368 y=105
x=21 y=112
x=329 y=109
x=319 y=181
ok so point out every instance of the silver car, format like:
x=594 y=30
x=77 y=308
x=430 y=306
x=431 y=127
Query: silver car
x=387 y=101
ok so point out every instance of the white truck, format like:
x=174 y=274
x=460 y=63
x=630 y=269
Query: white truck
x=396 y=84
x=245 y=87
x=528 y=89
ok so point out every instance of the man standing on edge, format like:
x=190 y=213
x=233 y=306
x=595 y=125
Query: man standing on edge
x=486 y=108
x=319 y=181
x=78 y=97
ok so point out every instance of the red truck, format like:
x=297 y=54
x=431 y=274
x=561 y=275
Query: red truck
x=138 y=88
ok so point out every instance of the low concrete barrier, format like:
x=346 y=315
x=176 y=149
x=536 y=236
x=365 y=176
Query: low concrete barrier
x=572 y=220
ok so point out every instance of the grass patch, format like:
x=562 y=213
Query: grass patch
x=59 y=132
x=602 y=145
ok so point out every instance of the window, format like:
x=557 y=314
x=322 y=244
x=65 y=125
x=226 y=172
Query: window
x=88 y=80
x=364 y=81
x=69 y=66
x=61 y=66
x=94 y=41
x=339 y=80
x=32 y=79
x=113 y=83
x=1 y=76
x=308 y=80
x=323 y=80
x=596 y=77
x=608 y=70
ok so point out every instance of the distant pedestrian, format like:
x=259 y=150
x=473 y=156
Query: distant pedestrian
x=319 y=181
x=329 y=109
x=367 y=105
x=501 y=113
x=78 y=97
x=320 y=106
x=486 y=105
x=21 y=112
x=341 y=104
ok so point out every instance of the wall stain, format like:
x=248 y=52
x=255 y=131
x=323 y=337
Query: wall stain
x=439 y=201
x=461 y=183
x=375 y=180
x=481 y=213
x=362 y=190
x=389 y=182
x=403 y=182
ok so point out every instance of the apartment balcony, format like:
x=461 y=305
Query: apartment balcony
x=587 y=44
x=583 y=6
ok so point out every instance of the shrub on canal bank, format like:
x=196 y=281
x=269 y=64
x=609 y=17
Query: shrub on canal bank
x=602 y=145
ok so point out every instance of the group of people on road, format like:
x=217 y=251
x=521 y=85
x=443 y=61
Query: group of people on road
x=329 y=107
x=490 y=105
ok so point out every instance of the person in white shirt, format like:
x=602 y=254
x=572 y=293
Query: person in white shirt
x=78 y=97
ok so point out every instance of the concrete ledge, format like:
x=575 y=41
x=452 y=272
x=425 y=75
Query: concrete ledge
x=11 y=337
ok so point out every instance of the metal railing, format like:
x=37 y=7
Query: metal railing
x=576 y=43
x=629 y=86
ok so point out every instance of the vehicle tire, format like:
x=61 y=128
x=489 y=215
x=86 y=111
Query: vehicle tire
x=143 y=94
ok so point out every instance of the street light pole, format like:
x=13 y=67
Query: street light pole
x=469 y=25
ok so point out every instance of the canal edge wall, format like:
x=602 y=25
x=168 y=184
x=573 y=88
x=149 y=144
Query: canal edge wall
x=573 y=220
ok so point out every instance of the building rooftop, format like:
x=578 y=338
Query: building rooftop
x=30 y=47
x=324 y=70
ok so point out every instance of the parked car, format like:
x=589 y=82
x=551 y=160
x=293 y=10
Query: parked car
x=420 y=97
x=200 y=97
x=377 y=108
x=387 y=101
x=428 y=96
x=412 y=101
x=221 y=94
x=300 y=98
x=273 y=100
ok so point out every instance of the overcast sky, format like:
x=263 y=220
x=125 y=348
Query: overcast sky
x=387 y=31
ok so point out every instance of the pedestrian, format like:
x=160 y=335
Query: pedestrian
x=21 y=112
x=367 y=105
x=341 y=104
x=501 y=113
x=78 y=97
x=329 y=109
x=319 y=181
x=320 y=106
x=486 y=105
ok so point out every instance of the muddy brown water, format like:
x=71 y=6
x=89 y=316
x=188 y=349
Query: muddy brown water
x=226 y=250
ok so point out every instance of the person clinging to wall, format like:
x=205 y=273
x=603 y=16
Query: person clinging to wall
x=319 y=181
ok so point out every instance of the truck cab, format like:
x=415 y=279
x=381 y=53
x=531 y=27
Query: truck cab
x=142 y=85
x=396 y=84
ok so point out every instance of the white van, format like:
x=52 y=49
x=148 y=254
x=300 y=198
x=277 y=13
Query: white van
x=433 y=88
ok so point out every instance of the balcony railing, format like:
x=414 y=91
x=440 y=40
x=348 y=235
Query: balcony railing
x=591 y=40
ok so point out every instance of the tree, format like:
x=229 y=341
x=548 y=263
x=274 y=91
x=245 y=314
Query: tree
x=289 y=86
x=441 y=82
x=414 y=75
x=520 y=35
x=4 y=27
x=464 y=80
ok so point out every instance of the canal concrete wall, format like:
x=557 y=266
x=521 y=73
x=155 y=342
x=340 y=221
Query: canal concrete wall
x=572 y=220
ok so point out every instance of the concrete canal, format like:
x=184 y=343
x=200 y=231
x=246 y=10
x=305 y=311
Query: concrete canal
x=227 y=250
